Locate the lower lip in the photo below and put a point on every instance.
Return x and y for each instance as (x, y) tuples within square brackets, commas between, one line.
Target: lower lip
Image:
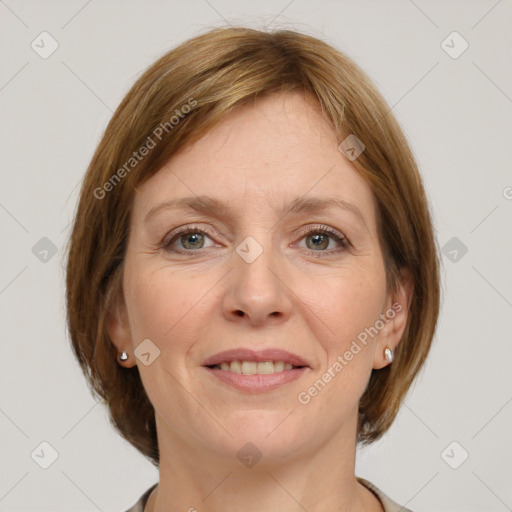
[(257, 383)]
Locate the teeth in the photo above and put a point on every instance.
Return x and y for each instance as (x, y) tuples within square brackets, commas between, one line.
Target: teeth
[(278, 366), (255, 368), (236, 367), (265, 367), (249, 367)]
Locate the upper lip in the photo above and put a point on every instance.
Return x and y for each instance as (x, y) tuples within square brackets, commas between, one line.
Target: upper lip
[(246, 354)]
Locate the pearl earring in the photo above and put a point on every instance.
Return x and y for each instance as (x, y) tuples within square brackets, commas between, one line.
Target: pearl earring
[(388, 354), (123, 356)]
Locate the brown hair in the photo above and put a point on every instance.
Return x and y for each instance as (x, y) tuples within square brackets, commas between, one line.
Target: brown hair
[(214, 74)]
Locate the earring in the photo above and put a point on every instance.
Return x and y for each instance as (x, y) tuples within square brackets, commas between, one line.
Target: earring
[(388, 354), (123, 356)]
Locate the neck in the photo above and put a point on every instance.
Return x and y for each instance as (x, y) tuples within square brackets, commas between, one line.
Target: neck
[(316, 479)]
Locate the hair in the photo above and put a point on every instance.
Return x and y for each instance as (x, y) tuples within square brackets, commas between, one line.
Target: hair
[(179, 98)]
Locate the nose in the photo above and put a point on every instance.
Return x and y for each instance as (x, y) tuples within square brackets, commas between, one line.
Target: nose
[(257, 291)]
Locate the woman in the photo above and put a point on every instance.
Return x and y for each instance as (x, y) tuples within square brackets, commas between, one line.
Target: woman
[(252, 279)]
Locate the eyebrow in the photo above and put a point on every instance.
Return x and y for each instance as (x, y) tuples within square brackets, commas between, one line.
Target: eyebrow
[(212, 206)]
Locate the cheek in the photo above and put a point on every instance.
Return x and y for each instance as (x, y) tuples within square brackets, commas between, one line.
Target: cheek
[(344, 308), (161, 304), (165, 309)]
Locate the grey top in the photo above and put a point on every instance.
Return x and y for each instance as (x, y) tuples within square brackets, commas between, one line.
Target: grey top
[(387, 503)]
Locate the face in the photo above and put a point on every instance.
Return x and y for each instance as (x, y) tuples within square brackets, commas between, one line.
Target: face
[(290, 262)]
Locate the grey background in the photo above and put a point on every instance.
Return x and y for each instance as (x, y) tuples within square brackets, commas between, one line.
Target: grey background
[(456, 113)]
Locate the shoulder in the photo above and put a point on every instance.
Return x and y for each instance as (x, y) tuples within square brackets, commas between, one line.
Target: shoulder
[(387, 503), (141, 503)]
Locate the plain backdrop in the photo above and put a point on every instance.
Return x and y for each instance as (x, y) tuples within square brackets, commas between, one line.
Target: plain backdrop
[(450, 447)]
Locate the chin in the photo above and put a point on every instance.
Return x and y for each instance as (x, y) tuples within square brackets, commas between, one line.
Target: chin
[(270, 432)]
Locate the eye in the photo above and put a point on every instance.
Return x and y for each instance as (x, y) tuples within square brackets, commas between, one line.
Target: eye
[(188, 238), (318, 238), (191, 239)]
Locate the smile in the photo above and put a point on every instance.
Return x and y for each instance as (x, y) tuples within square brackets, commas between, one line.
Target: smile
[(256, 371), (254, 367)]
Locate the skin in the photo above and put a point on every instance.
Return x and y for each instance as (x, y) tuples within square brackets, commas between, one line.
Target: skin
[(295, 296)]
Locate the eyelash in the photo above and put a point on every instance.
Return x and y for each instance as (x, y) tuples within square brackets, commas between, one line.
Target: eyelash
[(324, 230)]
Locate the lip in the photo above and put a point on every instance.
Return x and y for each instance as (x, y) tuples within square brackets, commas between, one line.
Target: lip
[(257, 383), (246, 354)]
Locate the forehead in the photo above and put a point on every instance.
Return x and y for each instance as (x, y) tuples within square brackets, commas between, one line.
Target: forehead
[(264, 154)]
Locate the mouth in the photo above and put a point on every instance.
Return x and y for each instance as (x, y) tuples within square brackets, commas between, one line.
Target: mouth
[(254, 367), (252, 371), (250, 362)]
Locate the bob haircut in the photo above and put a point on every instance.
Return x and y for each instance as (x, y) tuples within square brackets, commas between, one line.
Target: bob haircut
[(177, 100)]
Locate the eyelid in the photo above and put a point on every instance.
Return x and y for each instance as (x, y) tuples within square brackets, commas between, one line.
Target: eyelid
[(322, 227), (332, 232), (167, 240), (185, 229)]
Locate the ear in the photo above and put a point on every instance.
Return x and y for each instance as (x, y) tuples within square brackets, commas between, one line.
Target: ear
[(119, 331), (394, 314)]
